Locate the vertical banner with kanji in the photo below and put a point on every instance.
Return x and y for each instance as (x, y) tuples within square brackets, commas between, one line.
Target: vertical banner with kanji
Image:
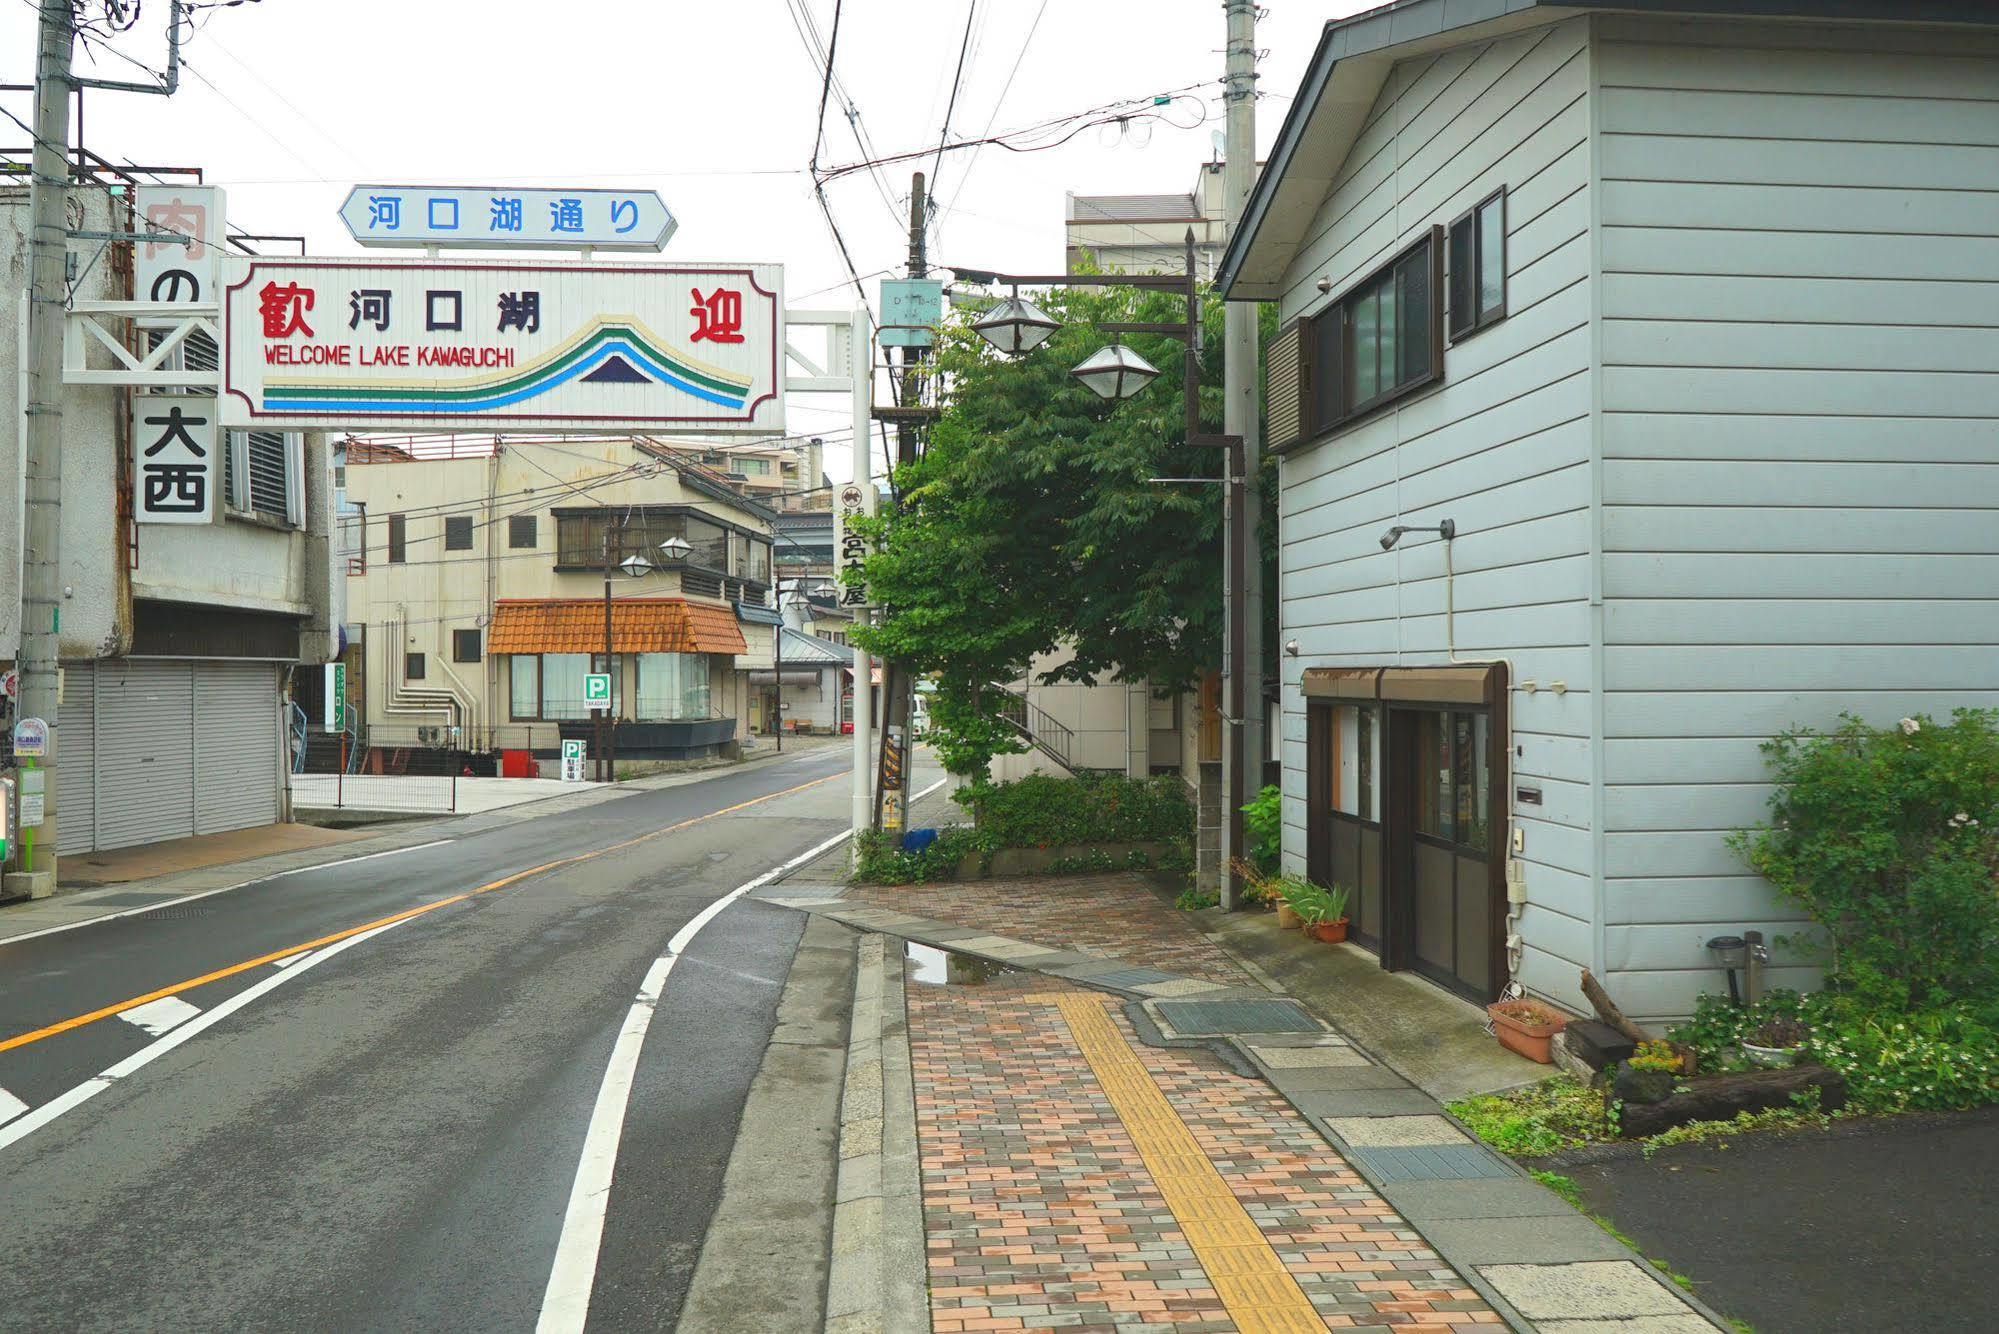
[(850, 547), (174, 449)]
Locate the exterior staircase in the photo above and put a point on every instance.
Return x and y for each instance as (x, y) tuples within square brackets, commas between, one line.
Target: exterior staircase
[(1036, 726)]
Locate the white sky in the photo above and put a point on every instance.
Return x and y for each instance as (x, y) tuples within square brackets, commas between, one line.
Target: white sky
[(291, 102)]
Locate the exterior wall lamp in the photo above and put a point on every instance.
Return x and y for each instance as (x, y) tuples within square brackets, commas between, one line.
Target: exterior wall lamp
[(1446, 530)]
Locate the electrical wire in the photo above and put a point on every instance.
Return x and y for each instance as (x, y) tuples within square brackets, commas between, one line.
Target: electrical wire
[(951, 107), (1005, 88)]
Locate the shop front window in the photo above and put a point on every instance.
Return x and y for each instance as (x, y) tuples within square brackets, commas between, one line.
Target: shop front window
[(1356, 759), (672, 686), (1453, 777)]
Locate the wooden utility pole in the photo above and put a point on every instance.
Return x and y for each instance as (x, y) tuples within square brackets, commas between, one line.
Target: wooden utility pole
[(898, 683)]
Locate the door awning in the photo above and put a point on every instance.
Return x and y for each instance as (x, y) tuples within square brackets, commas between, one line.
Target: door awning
[(638, 625), (1457, 683)]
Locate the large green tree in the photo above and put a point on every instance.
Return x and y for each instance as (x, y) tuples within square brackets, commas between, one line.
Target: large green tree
[(1029, 523)]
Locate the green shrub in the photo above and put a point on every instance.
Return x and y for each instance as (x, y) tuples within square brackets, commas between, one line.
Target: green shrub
[(1043, 810), (1941, 1058), (1889, 839), (879, 858), (1263, 827), (1556, 1113)]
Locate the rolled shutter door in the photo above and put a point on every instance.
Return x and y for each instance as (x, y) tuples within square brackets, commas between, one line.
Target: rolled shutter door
[(145, 732), (235, 746), (76, 760)]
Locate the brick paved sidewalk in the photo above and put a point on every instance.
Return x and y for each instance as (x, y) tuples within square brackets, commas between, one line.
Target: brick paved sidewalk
[(1116, 915), (1053, 1197)]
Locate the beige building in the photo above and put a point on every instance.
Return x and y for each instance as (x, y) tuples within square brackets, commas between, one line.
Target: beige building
[(1146, 233), (785, 476), (476, 600)]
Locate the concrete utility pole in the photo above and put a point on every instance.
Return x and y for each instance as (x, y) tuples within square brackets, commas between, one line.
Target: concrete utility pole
[(41, 548), (1241, 379)]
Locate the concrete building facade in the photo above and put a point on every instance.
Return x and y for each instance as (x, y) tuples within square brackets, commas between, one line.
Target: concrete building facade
[(476, 595), (178, 641)]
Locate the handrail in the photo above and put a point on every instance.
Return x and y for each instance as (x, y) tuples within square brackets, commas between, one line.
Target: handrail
[(1033, 722)]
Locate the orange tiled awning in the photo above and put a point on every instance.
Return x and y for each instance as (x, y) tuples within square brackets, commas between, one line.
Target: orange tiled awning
[(638, 625)]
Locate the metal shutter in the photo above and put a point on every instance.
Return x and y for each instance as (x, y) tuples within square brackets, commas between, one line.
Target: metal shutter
[(145, 780), (268, 473), (76, 760), (236, 779)]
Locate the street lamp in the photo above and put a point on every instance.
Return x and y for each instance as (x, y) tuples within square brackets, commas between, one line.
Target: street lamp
[(1115, 372), (676, 549), (1016, 325), (635, 565)]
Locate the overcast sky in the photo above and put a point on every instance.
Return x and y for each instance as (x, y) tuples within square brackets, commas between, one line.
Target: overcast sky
[(288, 103)]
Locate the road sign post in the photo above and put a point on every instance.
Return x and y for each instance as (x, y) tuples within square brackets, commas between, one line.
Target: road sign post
[(336, 697)]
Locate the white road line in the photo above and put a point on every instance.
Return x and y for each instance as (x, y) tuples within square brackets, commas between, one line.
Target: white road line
[(210, 893), (565, 1305), (291, 959), (10, 1107), (25, 1126), (157, 1017)]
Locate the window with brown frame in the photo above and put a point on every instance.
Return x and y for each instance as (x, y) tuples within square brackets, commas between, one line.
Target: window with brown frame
[(1478, 266), (1382, 339)]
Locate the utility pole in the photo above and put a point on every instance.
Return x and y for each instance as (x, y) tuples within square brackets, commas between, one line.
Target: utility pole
[(41, 547), (898, 683), (1241, 379), (606, 724)]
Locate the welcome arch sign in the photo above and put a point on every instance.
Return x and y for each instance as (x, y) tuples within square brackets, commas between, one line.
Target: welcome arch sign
[(481, 345)]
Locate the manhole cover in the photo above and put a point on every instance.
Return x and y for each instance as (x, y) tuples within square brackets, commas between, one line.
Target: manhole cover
[(1238, 1016), (1129, 977)]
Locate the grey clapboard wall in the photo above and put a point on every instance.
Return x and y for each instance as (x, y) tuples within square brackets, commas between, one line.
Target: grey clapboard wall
[(1502, 445), (1800, 432)]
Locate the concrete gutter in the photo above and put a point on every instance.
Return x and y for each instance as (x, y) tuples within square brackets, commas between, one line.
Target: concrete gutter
[(763, 1262), (878, 1275)]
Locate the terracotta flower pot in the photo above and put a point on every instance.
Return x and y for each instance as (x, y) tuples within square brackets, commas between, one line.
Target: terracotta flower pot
[(1288, 918), (1529, 1031), (1330, 932)]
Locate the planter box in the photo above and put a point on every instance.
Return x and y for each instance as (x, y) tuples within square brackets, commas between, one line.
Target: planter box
[(1007, 863), (1721, 1097), (1526, 1037)]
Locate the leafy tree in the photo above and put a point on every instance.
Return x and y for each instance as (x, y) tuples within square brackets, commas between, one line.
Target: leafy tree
[(1029, 524)]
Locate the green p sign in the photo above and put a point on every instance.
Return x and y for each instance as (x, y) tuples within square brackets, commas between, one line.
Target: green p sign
[(597, 691)]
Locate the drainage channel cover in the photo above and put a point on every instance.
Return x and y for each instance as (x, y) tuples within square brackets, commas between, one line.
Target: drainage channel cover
[(1238, 1016), (132, 899)]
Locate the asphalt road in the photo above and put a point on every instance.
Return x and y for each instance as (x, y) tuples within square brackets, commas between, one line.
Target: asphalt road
[(1875, 1226), (385, 1134)]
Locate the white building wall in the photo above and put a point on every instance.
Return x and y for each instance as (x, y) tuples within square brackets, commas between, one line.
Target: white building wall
[(1800, 385), (1501, 446)]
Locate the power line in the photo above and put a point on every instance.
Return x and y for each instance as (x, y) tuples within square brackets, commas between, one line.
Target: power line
[(951, 106)]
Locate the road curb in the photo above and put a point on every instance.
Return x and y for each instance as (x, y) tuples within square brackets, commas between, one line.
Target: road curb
[(877, 1277)]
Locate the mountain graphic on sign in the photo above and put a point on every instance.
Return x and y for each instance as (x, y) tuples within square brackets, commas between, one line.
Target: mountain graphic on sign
[(616, 370)]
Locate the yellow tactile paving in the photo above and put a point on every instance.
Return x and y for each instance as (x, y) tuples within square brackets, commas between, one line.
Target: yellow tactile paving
[(1252, 1282)]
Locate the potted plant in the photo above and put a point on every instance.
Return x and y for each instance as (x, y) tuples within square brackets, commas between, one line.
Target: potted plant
[(1325, 913), (1292, 894), (1526, 1027), (1775, 1043)]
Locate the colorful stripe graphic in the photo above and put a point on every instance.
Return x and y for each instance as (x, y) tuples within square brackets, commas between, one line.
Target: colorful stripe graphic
[(601, 342)]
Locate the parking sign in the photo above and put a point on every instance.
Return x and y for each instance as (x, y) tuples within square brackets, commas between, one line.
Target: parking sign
[(597, 691), (572, 761)]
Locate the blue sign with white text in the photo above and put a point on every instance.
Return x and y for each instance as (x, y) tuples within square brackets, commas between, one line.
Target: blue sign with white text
[(505, 217)]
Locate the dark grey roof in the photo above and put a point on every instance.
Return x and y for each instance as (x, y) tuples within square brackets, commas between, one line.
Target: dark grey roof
[(1355, 53), (803, 650)]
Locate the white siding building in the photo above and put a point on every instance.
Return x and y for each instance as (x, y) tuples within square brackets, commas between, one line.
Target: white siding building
[(1688, 323)]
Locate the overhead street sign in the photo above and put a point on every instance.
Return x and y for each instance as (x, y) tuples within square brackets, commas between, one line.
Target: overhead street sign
[(410, 343), (505, 217)]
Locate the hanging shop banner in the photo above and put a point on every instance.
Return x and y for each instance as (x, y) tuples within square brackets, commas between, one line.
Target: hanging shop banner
[(174, 458), (442, 345), (850, 548), (505, 217)]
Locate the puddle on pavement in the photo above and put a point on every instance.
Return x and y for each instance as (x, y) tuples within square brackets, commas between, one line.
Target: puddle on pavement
[(947, 968)]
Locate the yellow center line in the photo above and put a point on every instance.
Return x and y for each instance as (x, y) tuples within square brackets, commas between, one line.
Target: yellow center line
[(1259, 1292), (105, 1012)]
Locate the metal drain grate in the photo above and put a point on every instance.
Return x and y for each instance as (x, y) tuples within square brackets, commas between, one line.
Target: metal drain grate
[(1238, 1016)]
